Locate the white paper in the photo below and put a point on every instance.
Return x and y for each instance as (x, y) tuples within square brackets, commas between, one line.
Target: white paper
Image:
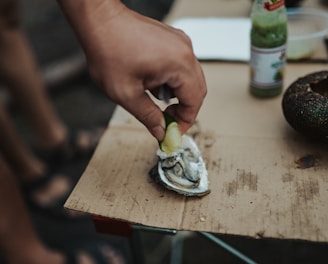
[(218, 38)]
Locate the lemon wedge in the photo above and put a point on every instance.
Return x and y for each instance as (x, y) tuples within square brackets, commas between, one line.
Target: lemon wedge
[(172, 139)]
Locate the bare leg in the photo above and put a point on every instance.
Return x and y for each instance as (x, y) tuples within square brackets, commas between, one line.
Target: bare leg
[(19, 243), (18, 240), (17, 153), (26, 166), (20, 73)]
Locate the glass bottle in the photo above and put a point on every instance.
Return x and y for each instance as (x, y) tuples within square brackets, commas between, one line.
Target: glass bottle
[(268, 47)]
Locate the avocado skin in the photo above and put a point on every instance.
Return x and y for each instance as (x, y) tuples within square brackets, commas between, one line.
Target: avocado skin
[(305, 105)]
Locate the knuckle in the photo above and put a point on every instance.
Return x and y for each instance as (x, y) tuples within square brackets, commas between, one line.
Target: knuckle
[(148, 115), (204, 91), (184, 36)]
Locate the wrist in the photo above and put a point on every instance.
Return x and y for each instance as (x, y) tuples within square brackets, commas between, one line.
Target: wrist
[(88, 7), (86, 15)]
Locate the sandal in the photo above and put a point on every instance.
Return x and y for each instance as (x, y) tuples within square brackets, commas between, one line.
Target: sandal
[(101, 252), (71, 257), (79, 143), (54, 208)]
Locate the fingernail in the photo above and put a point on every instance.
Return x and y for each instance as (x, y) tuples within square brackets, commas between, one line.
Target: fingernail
[(158, 132)]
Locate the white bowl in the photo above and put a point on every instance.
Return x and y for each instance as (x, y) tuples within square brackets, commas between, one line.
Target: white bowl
[(307, 29)]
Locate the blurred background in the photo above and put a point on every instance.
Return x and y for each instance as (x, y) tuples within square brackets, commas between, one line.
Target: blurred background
[(82, 105)]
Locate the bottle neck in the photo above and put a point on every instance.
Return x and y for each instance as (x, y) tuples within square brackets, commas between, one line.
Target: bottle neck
[(269, 5), (268, 16)]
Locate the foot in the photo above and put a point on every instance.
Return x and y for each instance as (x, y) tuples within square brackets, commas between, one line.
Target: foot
[(48, 192), (95, 251), (99, 254), (90, 252), (77, 143)]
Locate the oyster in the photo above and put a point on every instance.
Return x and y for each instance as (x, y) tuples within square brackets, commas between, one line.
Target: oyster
[(183, 171)]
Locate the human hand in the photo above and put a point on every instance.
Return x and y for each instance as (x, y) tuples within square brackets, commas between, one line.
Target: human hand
[(129, 54)]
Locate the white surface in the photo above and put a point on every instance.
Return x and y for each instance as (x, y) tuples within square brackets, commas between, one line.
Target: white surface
[(218, 38)]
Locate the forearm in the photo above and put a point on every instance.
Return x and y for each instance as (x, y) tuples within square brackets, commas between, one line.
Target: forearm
[(86, 15), (77, 10)]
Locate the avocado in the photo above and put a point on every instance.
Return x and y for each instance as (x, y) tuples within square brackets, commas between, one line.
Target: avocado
[(305, 105)]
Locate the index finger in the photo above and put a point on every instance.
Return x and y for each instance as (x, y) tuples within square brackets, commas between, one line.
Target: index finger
[(190, 93)]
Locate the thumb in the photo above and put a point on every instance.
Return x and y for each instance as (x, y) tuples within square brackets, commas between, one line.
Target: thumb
[(149, 114)]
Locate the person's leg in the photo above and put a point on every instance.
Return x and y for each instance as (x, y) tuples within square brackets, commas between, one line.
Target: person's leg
[(26, 166), (19, 71), (18, 241)]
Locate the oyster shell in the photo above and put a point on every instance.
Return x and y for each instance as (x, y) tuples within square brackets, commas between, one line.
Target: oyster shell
[(183, 171)]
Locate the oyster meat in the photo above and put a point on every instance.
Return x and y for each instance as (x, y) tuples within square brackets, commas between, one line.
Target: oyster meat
[(183, 171)]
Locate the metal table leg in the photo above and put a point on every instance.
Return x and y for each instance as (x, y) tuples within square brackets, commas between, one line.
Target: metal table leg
[(227, 247)]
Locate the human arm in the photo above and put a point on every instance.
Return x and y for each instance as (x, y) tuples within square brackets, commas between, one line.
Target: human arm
[(129, 54)]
